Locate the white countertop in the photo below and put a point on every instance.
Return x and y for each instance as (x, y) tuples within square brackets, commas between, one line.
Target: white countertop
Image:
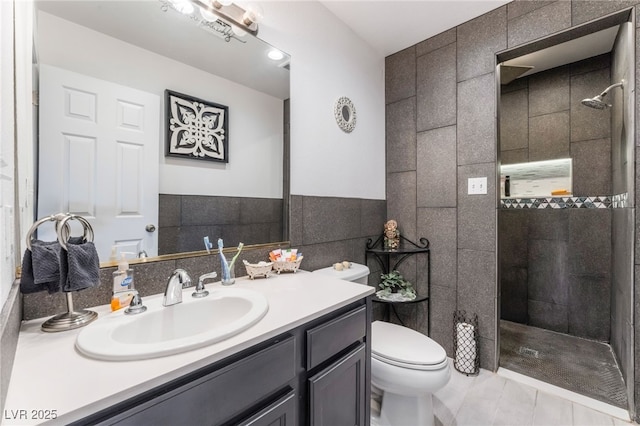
[(50, 374)]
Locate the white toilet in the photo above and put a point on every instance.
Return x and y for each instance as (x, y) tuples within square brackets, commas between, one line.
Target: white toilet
[(407, 366)]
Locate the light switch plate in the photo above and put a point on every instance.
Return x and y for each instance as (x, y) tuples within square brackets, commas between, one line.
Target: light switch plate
[(477, 186)]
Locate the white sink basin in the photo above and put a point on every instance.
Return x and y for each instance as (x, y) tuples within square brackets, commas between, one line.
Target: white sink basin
[(169, 330)]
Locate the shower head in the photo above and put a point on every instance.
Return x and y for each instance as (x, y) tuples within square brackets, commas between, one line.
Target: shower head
[(597, 102)]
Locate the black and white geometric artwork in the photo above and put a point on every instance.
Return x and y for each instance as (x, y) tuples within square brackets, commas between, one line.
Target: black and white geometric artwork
[(196, 128)]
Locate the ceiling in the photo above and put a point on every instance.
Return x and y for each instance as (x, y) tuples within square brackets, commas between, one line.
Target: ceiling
[(390, 26)]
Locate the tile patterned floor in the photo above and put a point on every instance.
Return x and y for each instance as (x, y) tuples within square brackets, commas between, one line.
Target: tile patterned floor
[(490, 399)]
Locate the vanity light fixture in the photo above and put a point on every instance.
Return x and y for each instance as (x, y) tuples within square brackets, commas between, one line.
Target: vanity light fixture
[(223, 17)]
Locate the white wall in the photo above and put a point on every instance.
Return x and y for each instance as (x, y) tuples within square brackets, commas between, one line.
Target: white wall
[(7, 261), (328, 61), (255, 124)]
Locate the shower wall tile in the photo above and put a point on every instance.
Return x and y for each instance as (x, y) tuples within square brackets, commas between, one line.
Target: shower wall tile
[(514, 120), (439, 226), (586, 10), (436, 42), (590, 241), (401, 135), (549, 91), (478, 41), (476, 120), (521, 7), (539, 23), (589, 306), (400, 75), (548, 272), (589, 156), (476, 288), (401, 202), (514, 156), (549, 316), (436, 88), (513, 294), (517, 84), (549, 224), (436, 168), (591, 64), (549, 136), (588, 123), (513, 233), (476, 213)]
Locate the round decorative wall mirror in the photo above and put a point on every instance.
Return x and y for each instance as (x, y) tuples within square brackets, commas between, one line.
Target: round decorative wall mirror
[(345, 113)]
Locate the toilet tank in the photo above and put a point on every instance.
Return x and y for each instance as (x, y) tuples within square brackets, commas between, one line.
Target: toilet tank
[(357, 273)]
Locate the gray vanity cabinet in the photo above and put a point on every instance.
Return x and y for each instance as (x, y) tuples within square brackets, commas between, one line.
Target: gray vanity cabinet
[(337, 393), (317, 374)]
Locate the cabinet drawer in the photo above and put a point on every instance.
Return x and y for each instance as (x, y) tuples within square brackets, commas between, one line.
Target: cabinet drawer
[(219, 396), (330, 338), (280, 413)]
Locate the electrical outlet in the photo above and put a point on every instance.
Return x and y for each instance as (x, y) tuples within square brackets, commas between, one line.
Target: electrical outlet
[(477, 186)]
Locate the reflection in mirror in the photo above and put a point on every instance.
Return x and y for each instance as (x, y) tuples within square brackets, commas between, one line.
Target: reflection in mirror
[(346, 113), (103, 69)]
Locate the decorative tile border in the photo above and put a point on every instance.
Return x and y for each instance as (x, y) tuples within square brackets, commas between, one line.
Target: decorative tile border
[(597, 202)]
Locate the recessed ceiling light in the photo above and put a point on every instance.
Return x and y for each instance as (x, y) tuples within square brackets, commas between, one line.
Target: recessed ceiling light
[(275, 54)]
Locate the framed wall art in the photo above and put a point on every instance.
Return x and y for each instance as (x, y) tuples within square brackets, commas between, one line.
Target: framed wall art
[(196, 128)]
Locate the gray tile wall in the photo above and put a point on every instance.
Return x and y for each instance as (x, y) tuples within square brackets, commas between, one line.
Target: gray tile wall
[(185, 219), (332, 229), (558, 272), (418, 195)]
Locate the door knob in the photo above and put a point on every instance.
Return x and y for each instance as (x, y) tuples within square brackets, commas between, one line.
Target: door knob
[(150, 228)]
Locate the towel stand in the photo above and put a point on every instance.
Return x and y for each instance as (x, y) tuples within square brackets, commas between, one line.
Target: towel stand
[(72, 318)]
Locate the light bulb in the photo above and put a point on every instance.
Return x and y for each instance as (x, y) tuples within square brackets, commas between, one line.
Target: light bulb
[(183, 6), (238, 31), (208, 15), (253, 15)]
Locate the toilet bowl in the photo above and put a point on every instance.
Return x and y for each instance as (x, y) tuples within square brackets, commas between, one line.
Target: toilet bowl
[(406, 366)]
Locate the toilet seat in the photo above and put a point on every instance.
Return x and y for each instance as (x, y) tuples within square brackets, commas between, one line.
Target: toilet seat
[(403, 347)]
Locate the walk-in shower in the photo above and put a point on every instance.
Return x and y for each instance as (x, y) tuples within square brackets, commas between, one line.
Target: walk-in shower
[(566, 240), (597, 102)]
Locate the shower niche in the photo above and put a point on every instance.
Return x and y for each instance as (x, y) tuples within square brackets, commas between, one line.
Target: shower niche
[(565, 230)]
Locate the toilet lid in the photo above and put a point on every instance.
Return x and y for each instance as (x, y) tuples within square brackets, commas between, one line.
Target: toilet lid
[(403, 345)]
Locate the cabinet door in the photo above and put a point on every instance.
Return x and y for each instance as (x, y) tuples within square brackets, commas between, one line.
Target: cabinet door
[(337, 393), (280, 413)]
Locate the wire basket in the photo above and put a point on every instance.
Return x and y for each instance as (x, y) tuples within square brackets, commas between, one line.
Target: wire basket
[(465, 343)]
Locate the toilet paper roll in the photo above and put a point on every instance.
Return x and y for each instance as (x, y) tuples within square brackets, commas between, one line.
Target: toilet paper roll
[(465, 348)]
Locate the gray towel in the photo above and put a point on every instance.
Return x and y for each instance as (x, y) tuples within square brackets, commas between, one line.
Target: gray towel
[(41, 267), (79, 266)]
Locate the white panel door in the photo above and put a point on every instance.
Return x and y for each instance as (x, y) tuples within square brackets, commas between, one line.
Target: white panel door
[(98, 157)]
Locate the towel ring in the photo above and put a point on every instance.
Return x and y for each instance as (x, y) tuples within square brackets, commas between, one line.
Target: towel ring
[(64, 232), (53, 218)]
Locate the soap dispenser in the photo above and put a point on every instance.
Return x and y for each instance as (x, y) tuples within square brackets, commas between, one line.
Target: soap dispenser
[(123, 289)]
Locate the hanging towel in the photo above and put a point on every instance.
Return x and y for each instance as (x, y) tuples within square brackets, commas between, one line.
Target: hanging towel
[(41, 267), (79, 266)]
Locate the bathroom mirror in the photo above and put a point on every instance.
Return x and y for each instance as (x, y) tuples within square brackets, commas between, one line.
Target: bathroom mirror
[(150, 47)]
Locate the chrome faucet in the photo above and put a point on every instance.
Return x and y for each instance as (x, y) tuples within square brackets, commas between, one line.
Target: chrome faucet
[(200, 291), (178, 280)]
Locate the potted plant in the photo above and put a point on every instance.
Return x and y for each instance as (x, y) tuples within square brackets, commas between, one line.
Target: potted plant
[(395, 287)]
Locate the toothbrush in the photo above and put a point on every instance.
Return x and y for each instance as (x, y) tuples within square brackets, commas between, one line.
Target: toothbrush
[(207, 245), (233, 260), (225, 266)]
